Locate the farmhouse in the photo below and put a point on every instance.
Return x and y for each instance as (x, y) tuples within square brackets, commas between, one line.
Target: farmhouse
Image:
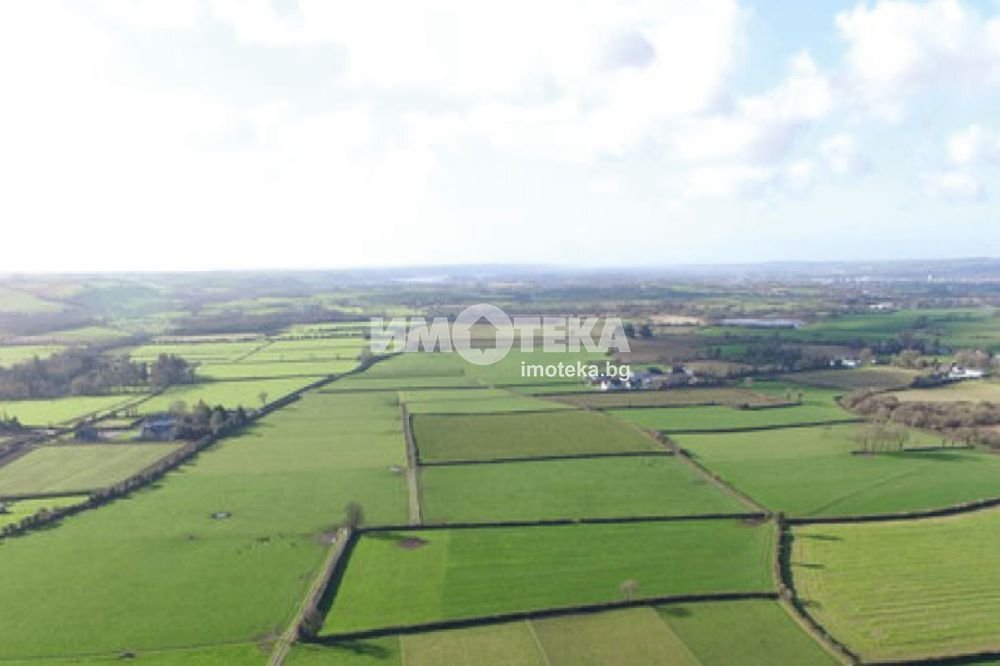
[(158, 428), (958, 372)]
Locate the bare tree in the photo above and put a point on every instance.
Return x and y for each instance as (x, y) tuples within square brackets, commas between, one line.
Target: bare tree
[(629, 588), (262, 396)]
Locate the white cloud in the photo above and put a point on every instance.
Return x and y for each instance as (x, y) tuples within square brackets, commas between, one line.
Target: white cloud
[(899, 49), (760, 128), (954, 185), (974, 145), (843, 155)]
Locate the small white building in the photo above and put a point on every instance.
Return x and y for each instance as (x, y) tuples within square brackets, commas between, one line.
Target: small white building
[(959, 372)]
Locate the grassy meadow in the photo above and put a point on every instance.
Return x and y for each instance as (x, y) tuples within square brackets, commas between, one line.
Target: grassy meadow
[(585, 488), (473, 572), (501, 436), (905, 589), (284, 483), (680, 419), (812, 472), (77, 467)]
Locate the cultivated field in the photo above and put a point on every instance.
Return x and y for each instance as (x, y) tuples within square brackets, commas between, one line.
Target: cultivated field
[(392, 579), (905, 589), (811, 471), (20, 353), (584, 488), (229, 394), (503, 436), (77, 467)]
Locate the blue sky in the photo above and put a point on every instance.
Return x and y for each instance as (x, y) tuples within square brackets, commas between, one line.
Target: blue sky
[(198, 134)]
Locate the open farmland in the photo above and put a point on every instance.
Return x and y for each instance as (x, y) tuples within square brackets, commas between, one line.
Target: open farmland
[(681, 419), (904, 589), (283, 483), (862, 378), (442, 438), (733, 397), (231, 394), (811, 471), (758, 632), (21, 353), (20, 509), (585, 488), (273, 369), (968, 391), (59, 411), (77, 467), (473, 572), (473, 401)]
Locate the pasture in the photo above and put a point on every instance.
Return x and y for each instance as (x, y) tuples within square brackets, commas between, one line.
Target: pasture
[(11, 355), (811, 471), (284, 482), (77, 467), (757, 633), (473, 401), (750, 633), (391, 580), (20, 509), (681, 419), (273, 369), (58, 411), (231, 394), (503, 436), (977, 390), (733, 397), (584, 488), (878, 377), (904, 589)]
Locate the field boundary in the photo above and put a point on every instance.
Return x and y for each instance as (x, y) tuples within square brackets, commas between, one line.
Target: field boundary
[(789, 599), (952, 510), (560, 611), (548, 458), (412, 467), (558, 522), (961, 658), (788, 426), (722, 484), (52, 495), (312, 601)]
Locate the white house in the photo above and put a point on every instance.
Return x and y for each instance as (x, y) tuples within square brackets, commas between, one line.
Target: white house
[(959, 372)]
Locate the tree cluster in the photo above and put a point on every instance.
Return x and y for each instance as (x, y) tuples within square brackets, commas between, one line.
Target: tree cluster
[(202, 420), (88, 372)]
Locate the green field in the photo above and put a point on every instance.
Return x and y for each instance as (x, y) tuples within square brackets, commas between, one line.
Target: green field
[(20, 353), (757, 633), (811, 472), (77, 467), (200, 352), (20, 509), (503, 436), (749, 633), (473, 401), (848, 380), (230, 394), (905, 589), (59, 411), (16, 300), (679, 419), (284, 482), (585, 488), (979, 390), (735, 397), (473, 572), (273, 369)]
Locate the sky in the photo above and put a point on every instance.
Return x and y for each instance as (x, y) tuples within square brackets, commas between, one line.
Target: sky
[(229, 134)]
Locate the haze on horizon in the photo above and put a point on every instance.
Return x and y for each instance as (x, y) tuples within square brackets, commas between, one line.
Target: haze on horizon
[(221, 134)]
